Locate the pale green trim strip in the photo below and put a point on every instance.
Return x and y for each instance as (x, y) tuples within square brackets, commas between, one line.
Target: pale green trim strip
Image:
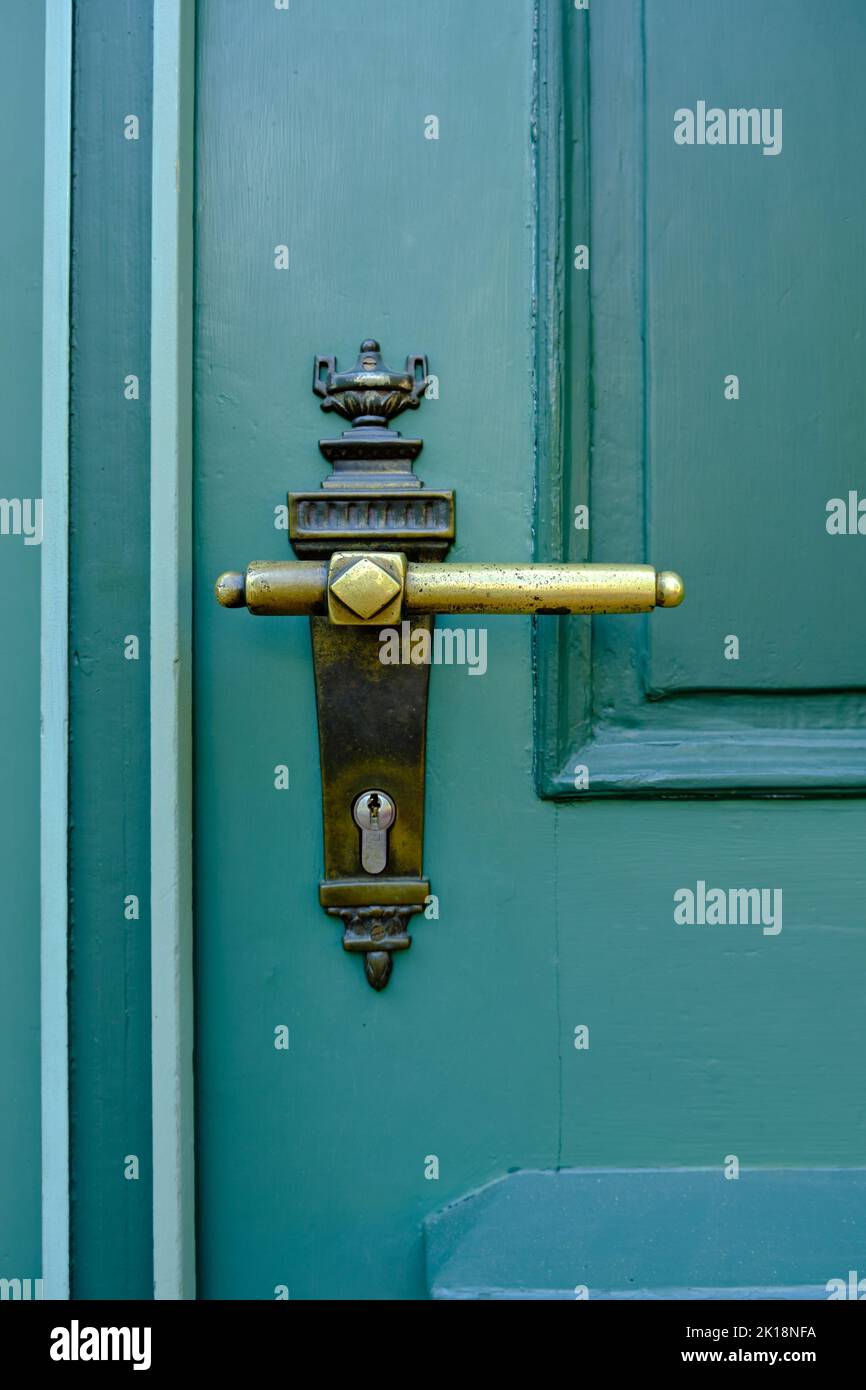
[(171, 649), (54, 687)]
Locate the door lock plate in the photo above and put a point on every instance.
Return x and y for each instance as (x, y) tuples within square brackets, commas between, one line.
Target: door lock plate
[(370, 517), (370, 545)]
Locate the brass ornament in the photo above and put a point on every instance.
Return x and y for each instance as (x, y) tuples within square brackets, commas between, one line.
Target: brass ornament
[(370, 545), (363, 588), (370, 394), (290, 589)]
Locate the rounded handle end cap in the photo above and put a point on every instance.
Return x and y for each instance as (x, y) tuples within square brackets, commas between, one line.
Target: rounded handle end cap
[(670, 589), (231, 590)]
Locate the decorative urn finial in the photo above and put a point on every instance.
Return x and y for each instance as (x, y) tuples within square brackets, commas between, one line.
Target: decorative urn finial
[(370, 395)]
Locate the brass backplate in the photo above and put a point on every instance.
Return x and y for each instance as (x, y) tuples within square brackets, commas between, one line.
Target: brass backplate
[(372, 717)]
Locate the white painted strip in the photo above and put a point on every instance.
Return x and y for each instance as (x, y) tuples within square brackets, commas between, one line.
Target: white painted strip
[(171, 649), (54, 684)]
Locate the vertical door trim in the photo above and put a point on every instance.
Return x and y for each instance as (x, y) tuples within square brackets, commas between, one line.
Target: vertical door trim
[(171, 649), (54, 653)]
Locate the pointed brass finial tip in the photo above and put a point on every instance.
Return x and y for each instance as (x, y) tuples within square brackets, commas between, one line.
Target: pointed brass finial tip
[(231, 590), (670, 589), (377, 967)]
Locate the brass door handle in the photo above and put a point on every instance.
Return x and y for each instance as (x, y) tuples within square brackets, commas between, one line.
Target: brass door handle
[(376, 587), (371, 543)]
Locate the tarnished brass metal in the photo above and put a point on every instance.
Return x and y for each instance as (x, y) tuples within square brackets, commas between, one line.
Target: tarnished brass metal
[(371, 543), (414, 519), (370, 517), (301, 588), (378, 588), (370, 394), (366, 588), (372, 733), (366, 892), (554, 589), (231, 590)]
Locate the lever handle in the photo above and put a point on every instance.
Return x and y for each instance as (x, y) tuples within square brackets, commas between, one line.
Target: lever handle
[(369, 588), (372, 720)]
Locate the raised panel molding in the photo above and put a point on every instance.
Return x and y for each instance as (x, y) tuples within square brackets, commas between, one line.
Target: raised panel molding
[(666, 1233), (595, 706)]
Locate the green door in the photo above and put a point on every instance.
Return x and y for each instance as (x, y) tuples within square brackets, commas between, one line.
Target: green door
[(630, 1028)]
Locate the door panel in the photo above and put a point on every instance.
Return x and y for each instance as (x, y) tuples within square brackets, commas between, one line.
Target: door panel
[(311, 134), (707, 263), (754, 267), (315, 1169)]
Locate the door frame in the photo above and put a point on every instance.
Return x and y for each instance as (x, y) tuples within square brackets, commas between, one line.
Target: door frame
[(54, 653), (171, 406), (172, 1097)]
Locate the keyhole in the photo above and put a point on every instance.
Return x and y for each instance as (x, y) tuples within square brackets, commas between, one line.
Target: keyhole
[(374, 814)]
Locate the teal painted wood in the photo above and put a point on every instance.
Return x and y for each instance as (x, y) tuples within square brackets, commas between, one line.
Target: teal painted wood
[(711, 1040), (171, 650), (54, 694), (704, 1041), (311, 1161), (686, 1233), (696, 261), (109, 707), (21, 135), (563, 336)]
